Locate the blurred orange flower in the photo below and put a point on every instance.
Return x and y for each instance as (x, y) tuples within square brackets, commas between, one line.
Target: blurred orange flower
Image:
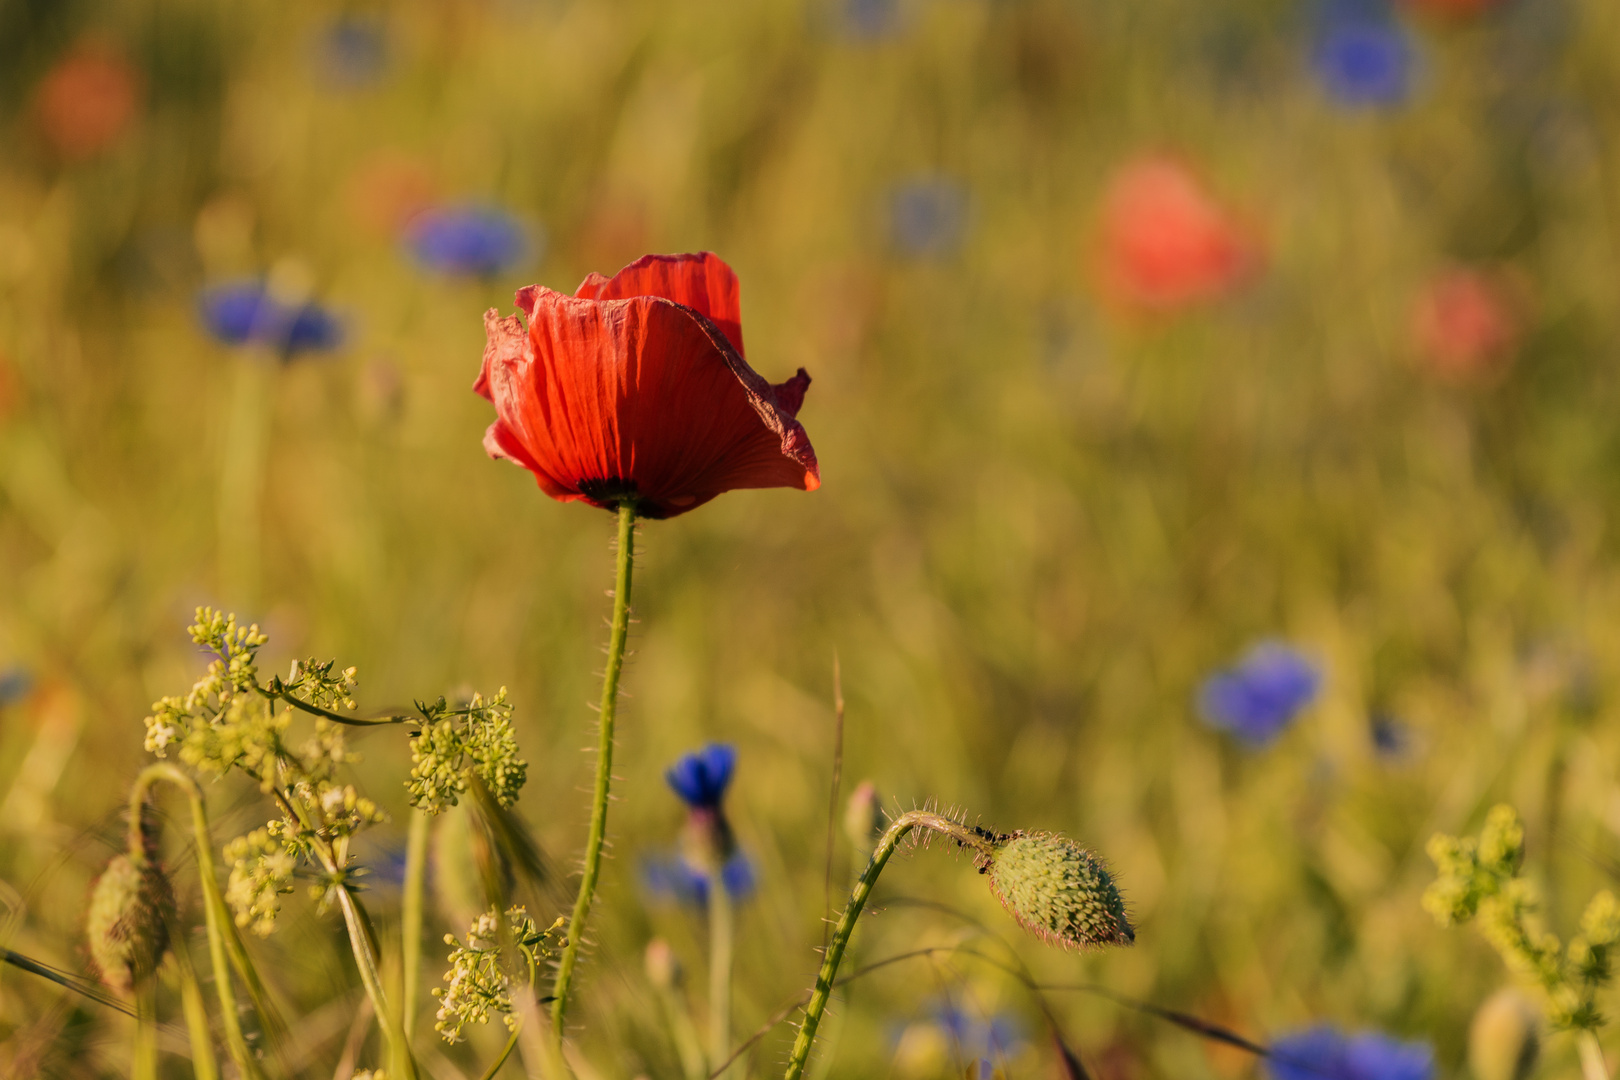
[(1465, 324), (387, 190), (1165, 243), (87, 100)]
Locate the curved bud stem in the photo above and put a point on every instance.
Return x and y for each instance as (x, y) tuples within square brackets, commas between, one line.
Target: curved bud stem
[(604, 771), (216, 917), (886, 844)]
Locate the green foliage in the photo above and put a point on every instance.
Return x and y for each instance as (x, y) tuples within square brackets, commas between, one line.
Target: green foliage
[(1480, 878)]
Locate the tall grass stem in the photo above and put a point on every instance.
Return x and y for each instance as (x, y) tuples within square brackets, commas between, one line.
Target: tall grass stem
[(604, 770), (192, 1007), (411, 919), (722, 926)]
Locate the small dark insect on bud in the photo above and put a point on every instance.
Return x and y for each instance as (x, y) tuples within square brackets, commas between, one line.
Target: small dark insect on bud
[(127, 928), (1058, 890)]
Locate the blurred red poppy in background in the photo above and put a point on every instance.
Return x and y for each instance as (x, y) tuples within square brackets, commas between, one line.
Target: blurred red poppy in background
[(635, 390), (87, 100), (1465, 324), (1165, 243)]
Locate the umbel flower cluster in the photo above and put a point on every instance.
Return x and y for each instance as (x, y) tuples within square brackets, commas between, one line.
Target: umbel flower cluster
[(1480, 879), (478, 985)]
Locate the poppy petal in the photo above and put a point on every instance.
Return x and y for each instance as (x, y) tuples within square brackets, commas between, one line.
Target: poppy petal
[(637, 396), (701, 281)]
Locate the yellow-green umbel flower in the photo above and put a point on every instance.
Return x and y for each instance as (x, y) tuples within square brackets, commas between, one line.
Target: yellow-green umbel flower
[(127, 927), (1058, 890)]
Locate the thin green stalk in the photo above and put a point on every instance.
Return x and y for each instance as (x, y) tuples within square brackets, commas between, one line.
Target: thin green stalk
[(203, 1065), (720, 948), (362, 939), (604, 770), (846, 922), (411, 918), (216, 918), (143, 1054), (1593, 1067), (683, 1032), (512, 1041), (241, 478)]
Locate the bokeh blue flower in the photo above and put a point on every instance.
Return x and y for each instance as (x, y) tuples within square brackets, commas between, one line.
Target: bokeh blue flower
[(670, 877), (1261, 695), (868, 20), (1323, 1053), (244, 313), (1391, 738), (16, 682), (928, 215), (1361, 54), (351, 51), (467, 241), (700, 778)]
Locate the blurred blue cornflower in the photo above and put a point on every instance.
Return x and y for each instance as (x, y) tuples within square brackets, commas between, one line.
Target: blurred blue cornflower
[(1391, 738), (467, 241), (1361, 54), (868, 20), (244, 312), (1261, 695), (700, 778), (15, 683), (351, 51), (1322, 1053), (994, 1036), (671, 878), (928, 215)]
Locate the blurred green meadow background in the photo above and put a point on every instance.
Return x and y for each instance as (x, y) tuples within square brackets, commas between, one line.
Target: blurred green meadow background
[(1073, 461)]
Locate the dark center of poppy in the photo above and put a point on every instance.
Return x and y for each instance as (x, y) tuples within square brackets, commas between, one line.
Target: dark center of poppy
[(611, 492)]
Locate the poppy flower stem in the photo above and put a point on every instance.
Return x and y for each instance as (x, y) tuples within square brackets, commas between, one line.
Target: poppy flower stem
[(886, 844), (411, 919), (604, 769)]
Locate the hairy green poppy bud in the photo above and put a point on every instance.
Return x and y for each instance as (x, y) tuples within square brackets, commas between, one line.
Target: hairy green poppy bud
[(127, 927), (1058, 890), (1504, 1038)]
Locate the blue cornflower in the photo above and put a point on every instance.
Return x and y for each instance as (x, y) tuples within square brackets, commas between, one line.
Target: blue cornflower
[(671, 877), (1391, 738), (994, 1036), (469, 241), (1322, 1053), (15, 683), (352, 51), (701, 778), (1361, 54), (869, 20), (1259, 697), (928, 215), (244, 312)]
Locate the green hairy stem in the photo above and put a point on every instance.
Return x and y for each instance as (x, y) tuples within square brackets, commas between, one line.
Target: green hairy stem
[(886, 844), (604, 770)]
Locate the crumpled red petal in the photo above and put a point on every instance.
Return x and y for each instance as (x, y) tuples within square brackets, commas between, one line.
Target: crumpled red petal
[(596, 393), (701, 281)]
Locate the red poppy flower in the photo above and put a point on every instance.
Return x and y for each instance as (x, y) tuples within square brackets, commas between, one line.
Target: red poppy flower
[(1465, 324), (1165, 242), (87, 101), (635, 389)]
